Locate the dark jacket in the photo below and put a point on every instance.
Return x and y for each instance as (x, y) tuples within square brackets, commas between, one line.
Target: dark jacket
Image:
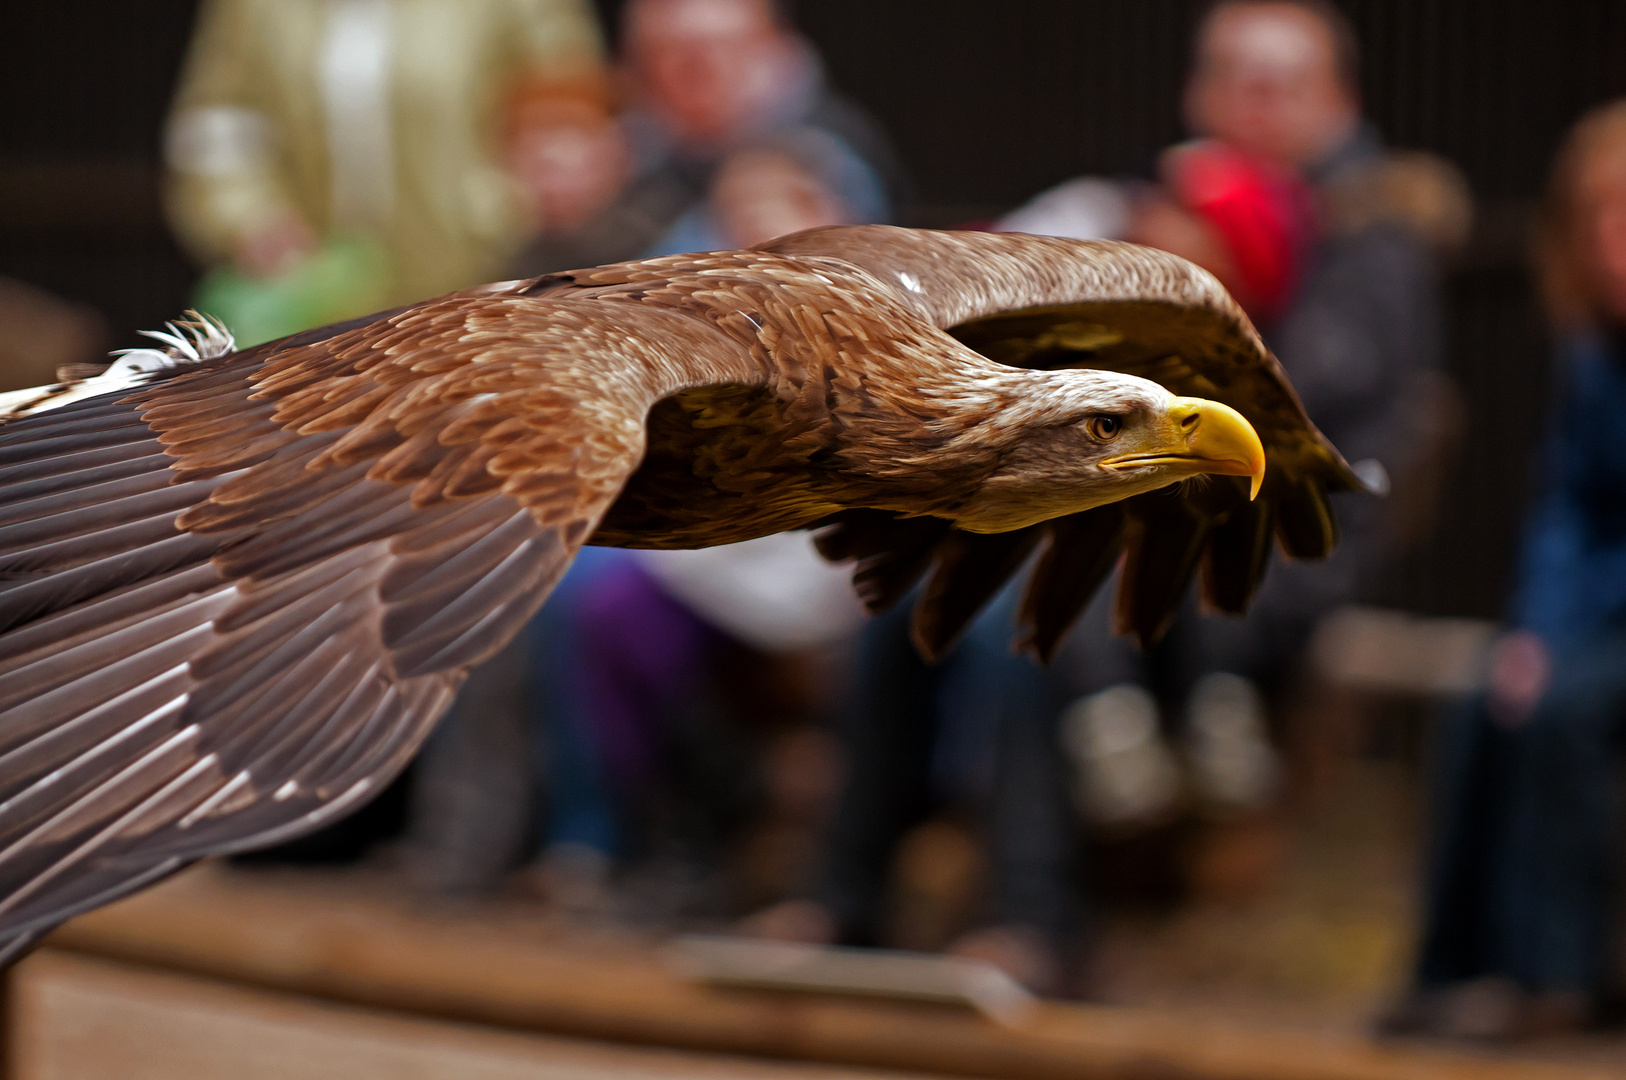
[(1572, 579)]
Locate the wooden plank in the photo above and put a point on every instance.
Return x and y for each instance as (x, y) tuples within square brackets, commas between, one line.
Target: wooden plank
[(306, 935), (78, 1018), (725, 960)]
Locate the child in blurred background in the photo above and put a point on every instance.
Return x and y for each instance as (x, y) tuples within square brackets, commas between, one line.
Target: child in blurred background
[(800, 179)]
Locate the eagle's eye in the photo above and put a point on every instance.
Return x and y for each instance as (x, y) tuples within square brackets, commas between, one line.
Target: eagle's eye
[(1106, 428)]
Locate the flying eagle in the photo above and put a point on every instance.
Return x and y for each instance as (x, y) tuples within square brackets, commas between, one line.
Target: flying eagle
[(238, 588)]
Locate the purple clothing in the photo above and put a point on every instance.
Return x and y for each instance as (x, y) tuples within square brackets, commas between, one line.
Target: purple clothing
[(641, 656)]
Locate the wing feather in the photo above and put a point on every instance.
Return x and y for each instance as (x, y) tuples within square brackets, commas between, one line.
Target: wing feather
[(55, 472), (969, 569), (1237, 555), (1162, 545), (234, 599), (1305, 526), (890, 553), (33, 449), (1081, 552)]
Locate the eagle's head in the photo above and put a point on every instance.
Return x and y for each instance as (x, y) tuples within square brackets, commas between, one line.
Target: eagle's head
[(1095, 437)]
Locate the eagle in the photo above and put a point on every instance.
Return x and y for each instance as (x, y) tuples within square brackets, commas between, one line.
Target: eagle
[(237, 588)]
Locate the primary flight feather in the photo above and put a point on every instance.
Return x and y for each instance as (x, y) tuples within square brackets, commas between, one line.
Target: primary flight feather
[(238, 588)]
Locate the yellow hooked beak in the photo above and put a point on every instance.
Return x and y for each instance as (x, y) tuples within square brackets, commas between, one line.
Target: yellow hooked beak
[(1199, 436)]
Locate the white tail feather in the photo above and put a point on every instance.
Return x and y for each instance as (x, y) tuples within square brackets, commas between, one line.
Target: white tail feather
[(189, 340)]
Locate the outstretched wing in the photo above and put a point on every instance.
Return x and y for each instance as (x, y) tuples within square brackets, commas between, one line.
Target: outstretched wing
[(1035, 301), (234, 600)]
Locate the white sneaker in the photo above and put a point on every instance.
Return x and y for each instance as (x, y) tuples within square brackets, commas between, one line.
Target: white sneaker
[(1124, 773), (1232, 762)]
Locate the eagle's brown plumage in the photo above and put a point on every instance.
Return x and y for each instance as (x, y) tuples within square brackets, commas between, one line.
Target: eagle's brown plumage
[(235, 595)]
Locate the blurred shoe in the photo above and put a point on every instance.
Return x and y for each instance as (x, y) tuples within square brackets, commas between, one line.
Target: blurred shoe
[(1558, 1012), (800, 921), (1491, 1009), (1019, 951), (1478, 1009), (1233, 765), (1123, 771), (573, 878)]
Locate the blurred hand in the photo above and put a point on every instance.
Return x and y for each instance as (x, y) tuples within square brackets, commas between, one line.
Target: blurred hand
[(1159, 221), (275, 247), (1520, 670)]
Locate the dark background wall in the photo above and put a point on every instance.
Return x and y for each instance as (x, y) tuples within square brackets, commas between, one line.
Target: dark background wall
[(988, 103)]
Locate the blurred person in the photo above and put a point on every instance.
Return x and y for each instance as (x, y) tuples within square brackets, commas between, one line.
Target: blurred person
[(1524, 868), (973, 737), (761, 194), (801, 179), (650, 745), (710, 71), (569, 154), (331, 157), (705, 82), (1275, 80), (731, 139), (1332, 244), (1248, 221), (575, 160), (327, 158), (710, 75), (723, 153), (636, 713), (1286, 196), (681, 679)]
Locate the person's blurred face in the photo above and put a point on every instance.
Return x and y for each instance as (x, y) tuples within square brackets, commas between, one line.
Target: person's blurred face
[(1267, 82), (572, 161), (709, 67), (759, 195), (1601, 219)]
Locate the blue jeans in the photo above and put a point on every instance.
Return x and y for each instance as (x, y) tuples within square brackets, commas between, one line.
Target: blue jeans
[(577, 807), (1523, 869), (979, 728)]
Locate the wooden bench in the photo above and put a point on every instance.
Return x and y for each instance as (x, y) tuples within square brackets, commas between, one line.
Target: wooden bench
[(224, 973), (80, 1018)]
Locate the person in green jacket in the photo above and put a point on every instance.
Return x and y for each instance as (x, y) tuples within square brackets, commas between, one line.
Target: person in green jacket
[(331, 157)]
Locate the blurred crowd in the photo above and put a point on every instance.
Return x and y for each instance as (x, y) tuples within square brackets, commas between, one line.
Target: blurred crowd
[(723, 736), (331, 157)]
